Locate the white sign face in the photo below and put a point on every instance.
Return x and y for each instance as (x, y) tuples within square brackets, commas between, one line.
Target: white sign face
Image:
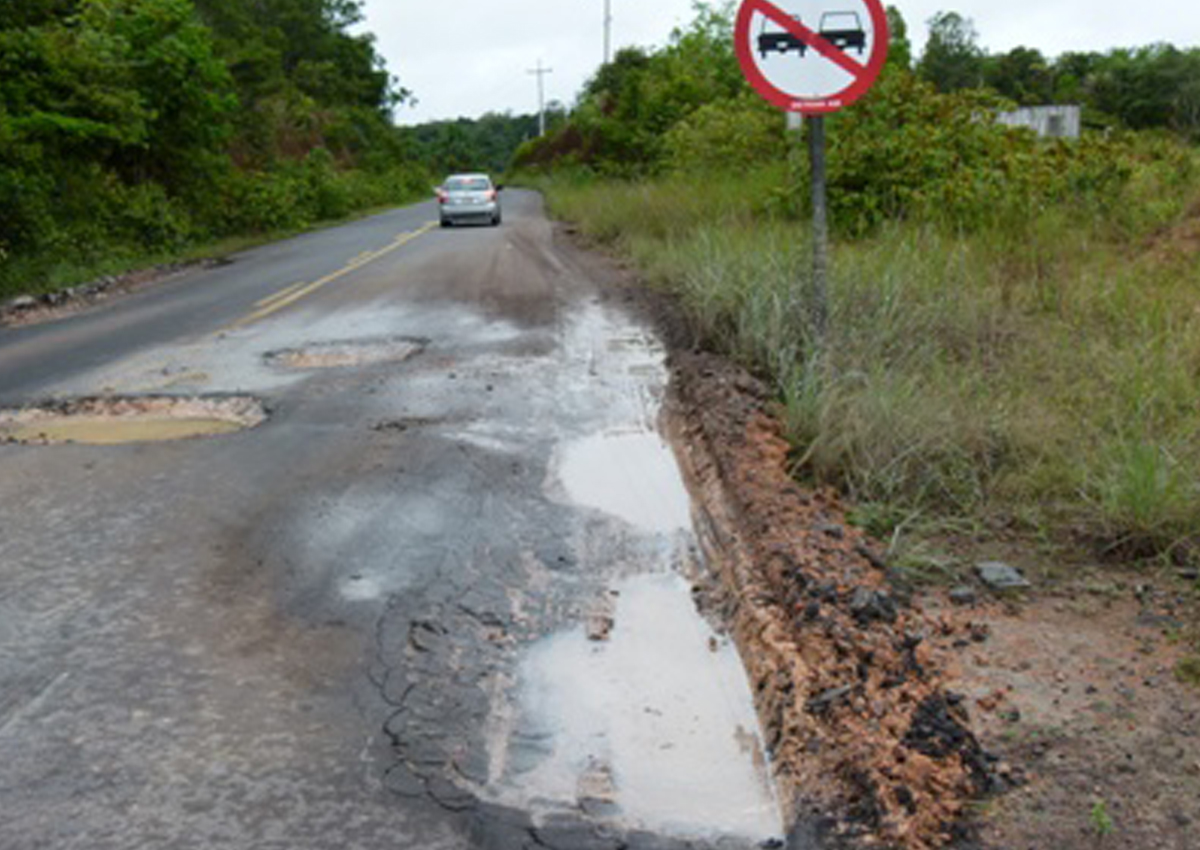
[(812, 56)]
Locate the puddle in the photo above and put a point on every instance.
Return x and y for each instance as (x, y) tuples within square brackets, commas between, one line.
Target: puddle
[(654, 726), (339, 355), (115, 421), (632, 476)]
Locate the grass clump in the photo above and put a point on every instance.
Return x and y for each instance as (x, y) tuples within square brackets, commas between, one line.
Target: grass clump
[(1187, 671), (1040, 370)]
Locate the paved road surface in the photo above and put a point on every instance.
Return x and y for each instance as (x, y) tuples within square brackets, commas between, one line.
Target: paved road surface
[(364, 624)]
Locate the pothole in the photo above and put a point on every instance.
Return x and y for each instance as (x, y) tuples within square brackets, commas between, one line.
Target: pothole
[(140, 419), (340, 355)]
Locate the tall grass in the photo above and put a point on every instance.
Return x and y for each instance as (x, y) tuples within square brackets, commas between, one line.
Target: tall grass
[(1046, 373)]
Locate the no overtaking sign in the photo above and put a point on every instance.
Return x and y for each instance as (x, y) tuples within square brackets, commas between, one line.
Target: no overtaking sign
[(812, 56)]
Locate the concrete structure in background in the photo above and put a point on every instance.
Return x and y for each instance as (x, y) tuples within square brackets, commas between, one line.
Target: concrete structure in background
[(1049, 122)]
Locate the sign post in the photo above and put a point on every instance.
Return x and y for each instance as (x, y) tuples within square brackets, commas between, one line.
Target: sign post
[(813, 57), (820, 205)]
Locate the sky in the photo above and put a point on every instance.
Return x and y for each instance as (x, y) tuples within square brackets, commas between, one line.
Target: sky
[(467, 57)]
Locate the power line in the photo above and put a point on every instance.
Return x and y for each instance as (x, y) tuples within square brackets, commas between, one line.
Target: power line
[(541, 75)]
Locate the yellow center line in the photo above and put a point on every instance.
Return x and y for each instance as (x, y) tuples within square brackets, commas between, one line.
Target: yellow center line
[(283, 293), (289, 296)]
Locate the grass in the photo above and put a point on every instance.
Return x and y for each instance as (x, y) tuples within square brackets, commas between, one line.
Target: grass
[(1102, 823), (1046, 376), (1187, 671)]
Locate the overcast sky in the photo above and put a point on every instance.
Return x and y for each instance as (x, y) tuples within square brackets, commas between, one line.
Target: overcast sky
[(467, 57)]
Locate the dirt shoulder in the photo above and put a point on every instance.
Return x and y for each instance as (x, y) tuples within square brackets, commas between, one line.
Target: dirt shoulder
[(1051, 720), (52, 306)]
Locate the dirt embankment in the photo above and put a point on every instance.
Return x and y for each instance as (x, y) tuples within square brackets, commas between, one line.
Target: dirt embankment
[(849, 675), (1051, 721)]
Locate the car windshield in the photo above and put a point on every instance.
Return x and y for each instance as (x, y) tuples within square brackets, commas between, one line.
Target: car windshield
[(467, 184)]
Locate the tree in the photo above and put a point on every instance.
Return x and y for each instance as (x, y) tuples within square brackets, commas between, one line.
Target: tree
[(123, 124), (303, 79), (1022, 75), (1073, 76), (952, 59), (899, 47)]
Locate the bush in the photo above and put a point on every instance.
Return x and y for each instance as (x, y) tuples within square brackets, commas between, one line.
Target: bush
[(908, 152), (739, 130)]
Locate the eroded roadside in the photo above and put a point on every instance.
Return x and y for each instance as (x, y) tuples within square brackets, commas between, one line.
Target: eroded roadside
[(1056, 718), (849, 675)]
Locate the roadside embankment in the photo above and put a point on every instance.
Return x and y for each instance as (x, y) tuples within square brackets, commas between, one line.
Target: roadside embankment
[(848, 674)]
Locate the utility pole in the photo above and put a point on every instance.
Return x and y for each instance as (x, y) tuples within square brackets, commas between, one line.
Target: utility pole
[(541, 75), (607, 31)]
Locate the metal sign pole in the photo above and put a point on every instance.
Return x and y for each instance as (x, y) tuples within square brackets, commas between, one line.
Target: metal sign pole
[(820, 284)]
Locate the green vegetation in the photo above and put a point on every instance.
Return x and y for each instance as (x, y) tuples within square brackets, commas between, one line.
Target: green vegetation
[(486, 143), (1102, 822), (1187, 671), (133, 129), (1014, 341), (1150, 87)]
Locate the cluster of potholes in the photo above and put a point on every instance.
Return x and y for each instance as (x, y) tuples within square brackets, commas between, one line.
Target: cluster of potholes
[(425, 768), (116, 420)]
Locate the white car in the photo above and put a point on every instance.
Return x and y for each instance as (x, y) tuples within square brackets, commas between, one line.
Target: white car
[(469, 197)]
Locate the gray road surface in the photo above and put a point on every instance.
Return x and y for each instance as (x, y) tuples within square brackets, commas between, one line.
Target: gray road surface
[(364, 624)]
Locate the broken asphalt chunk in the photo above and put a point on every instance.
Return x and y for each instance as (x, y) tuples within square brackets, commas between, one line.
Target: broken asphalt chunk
[(999, 576), (827, 699), (869, 606), (964, 596)]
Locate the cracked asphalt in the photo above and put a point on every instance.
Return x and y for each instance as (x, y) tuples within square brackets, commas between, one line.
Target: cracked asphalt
[(318, 633)]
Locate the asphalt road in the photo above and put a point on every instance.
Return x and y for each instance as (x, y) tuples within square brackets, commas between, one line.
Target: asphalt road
[(365, 623)]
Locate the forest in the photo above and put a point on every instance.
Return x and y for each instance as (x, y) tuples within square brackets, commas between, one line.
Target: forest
[(133, 129)]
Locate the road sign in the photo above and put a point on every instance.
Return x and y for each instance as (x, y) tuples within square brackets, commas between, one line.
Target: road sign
[(811, 56)]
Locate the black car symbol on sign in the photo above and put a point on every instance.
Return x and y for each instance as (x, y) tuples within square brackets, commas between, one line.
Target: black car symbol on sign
[(844, 30), (778, 39)]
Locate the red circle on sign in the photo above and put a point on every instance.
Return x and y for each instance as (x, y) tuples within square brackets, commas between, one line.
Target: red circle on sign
[(863, 80)]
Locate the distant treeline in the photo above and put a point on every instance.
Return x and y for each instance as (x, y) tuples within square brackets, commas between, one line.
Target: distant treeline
[(477, 144), (1149, 87), (130, 127), (687, 105)]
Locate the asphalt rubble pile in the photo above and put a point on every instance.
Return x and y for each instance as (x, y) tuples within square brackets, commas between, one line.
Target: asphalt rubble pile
[(848, 672)]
